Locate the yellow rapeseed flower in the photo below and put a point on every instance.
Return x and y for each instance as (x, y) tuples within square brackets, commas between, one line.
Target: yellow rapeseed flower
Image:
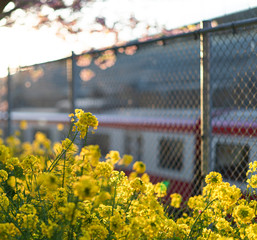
[(23, 125), (103, 169), (126, 160), (3, 175), (160, 189), (13, 142), (196, 203), (30, 163), (116, 223), (225, 238), (252, 167), (103, 196), (17, 133), (145, 178), (57, 147), (86, 188), (137, 185), (12, 162), (49, 180), (252, 181), (91, 154), (243, 214), (176, 200), (28, 209), (223, 225), (96, 231), (4, 201), (9, 231), (48, 230), (27, 148), (139, 167), (60, 127), (132, 175), (11, 181), (251, 231), (83, 120), (226, 194), (41, 144), (213, 178), (28, 221), (69, 146), (113, 157), (68, 210), (4, 153), (104, 211), (60, 196)]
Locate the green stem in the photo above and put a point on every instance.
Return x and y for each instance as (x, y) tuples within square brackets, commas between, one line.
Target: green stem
[(191, 230), (129, 202), (44, 207), (17, 191), (63, 177), (249, 190), (13, 221), (70, 233), (27, 183), (114, 196), (85, 143), (113, 206), (70, 130), (55, 162)]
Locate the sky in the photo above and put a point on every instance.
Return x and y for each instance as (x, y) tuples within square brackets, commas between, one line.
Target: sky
[(23, 46)]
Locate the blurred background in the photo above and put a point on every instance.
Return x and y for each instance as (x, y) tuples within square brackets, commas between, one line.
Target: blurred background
[(171, 82)]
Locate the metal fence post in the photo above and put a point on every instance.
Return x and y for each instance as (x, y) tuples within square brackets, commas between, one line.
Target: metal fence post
[(9, 120), (205, 100), (71, 81)]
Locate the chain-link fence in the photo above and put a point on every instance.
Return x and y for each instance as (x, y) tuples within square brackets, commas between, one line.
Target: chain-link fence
[(39, 86), (147, 99), (184, 105), (233, 80)]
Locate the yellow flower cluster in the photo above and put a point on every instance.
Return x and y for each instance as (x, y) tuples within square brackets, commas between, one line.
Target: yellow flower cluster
[(139, 167), (83, 120), (3, 175), (66, 194), (176, 200), (23, 125)]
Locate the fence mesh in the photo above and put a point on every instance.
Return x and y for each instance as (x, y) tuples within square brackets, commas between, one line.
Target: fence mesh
[(40, 87), (233, 79), (147, 99)]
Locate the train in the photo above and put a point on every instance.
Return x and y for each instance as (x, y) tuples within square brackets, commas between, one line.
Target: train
[(166, 140)]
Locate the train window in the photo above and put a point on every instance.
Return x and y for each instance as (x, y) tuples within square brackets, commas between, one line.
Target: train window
[(99, 139), (232, 161), (171, 154), (133, 146)]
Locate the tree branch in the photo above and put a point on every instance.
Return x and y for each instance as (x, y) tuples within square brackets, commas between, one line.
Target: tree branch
[(18, 6)]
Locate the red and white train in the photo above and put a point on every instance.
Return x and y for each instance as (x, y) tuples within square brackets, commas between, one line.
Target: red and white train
[(167, 141)]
